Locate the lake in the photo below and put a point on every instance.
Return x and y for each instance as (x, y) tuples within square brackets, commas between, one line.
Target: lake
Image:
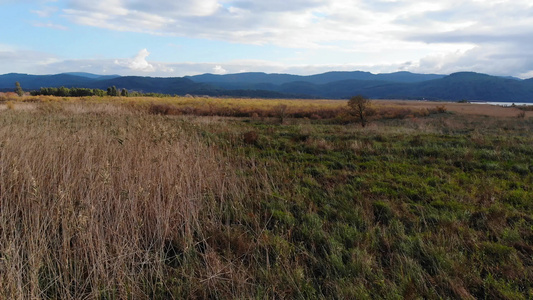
[(504, 103)]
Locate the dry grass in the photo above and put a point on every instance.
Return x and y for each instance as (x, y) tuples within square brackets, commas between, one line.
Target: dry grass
[(104, 199), (258, 108), (92, 203), (458, 108)]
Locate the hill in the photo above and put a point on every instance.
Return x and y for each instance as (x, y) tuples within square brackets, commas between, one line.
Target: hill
[(38, 81), (459, 86), (93, 76), (243, 79), (331, 85)]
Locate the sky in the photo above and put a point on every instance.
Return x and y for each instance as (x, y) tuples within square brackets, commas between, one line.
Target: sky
[(168, 38)]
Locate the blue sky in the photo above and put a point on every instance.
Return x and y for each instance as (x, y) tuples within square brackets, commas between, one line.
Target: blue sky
[(187, 37)]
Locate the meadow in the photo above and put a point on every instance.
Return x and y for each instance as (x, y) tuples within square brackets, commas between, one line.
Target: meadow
[(172, 198)]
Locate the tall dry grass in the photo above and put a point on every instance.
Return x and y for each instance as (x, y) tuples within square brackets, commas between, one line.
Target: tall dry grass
[(112, 205)]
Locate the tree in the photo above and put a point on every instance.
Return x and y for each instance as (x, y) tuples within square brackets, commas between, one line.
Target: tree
[(112, 91), (63, 92), (18, 89), (99, 93), (360, 107), (124, 93)]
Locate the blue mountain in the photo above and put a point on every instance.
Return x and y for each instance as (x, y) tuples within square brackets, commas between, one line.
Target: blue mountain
[(330, 85)]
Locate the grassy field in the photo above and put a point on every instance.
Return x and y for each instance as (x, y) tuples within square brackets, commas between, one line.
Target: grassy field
[(229, 198)]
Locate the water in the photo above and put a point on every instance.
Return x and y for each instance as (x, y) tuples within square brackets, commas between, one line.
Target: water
[(504, 103)]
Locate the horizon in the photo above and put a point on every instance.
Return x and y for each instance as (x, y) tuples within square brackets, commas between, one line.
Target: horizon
[(168, 39), (75, 73)]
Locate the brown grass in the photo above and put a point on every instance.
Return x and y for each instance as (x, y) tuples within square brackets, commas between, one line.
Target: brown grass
[(259, 108), (111, 200), (92, 205), (458, 108)]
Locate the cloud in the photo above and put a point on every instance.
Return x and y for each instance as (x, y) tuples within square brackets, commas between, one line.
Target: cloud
[(489, 59), (139, 63), (279, 22), (490, 36), (16, 60), (45, 12), (359, 27), (426, 29), (50, 25), (183, 8), (219, 70)]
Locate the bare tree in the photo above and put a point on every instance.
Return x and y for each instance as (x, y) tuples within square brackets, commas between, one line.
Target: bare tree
[(281, 112), (359, 106)]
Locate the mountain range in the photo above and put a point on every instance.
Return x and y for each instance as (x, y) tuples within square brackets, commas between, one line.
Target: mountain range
[(331, 85)]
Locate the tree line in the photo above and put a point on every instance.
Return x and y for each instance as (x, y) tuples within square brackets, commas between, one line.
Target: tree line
[(84, 92)]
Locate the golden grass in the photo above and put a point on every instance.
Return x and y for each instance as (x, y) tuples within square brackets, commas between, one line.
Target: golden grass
[(92, 202), (458, 108), (260, 108)]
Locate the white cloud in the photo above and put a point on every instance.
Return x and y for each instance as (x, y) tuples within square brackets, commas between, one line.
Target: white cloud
[(45, 12), (357, 26), (491, 36), (15, 60), (138, 63), (50, 25), (279, 22), (219, 70)]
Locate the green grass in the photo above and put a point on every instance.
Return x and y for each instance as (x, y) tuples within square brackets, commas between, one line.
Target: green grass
[(434, 207), (435, 214)]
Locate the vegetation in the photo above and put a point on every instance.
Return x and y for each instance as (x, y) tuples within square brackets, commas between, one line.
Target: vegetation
[(108, 198), (360, 107), (66, 92), (86, 92), (18, 89), (112, 91)]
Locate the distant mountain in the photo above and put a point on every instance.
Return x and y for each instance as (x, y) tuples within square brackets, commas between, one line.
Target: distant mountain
[(92, 76), (511, 77), (38, 81), (336, 89), (399, 85), (457, 86), (142, 84), (407, 77), (474, 86), (172, 85), (331, 85), (244, 80)]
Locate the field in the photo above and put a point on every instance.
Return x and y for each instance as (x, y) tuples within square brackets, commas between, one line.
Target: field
[(142, 198)]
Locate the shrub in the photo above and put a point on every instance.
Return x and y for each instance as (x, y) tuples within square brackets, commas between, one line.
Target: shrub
[(441, 109), (251, 137), (280, 111), (160, 109)]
